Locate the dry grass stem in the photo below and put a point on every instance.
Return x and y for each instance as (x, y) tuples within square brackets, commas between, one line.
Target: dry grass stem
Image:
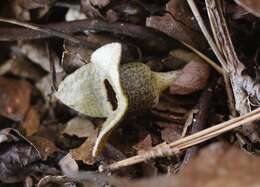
[(179, 145)]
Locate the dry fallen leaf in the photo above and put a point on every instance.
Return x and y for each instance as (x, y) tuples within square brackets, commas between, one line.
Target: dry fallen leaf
[(43, 145), (84, 151), (32, 122), (22, 67), (193, 76), (180, 24), (15, 98)]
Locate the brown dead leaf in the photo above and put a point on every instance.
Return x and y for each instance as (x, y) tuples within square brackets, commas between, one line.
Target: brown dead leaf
[(43, 145), (84, 152), (252, 6), (194, 77), (181, 25), (32, 122), (23, 68), (15, 98)]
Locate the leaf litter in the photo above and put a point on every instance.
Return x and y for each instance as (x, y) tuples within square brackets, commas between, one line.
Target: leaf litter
[(129, 89)]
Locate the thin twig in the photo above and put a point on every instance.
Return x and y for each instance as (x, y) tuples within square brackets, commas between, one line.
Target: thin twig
[(153, 39), (60, 30), (218, 52), (41, 29), (52, 67), (243, 85), (194, 139), (230, 95)]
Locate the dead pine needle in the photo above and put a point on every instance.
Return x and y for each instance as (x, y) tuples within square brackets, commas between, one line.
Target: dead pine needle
[(204, 30), (164, 150)]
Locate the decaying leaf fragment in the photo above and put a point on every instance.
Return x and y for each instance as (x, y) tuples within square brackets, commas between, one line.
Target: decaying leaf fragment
[(20, 158), (194, 74), (16, 154), (32, 122), (178, 24)]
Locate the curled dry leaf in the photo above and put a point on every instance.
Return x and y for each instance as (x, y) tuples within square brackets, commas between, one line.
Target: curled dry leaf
[(179, 24), (80, 127), (15, 98), (193, 76), (252, 6)]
